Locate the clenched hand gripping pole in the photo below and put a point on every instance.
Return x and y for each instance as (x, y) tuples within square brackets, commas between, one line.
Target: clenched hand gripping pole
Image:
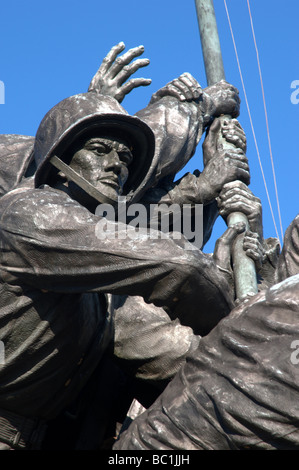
[(243, 266)]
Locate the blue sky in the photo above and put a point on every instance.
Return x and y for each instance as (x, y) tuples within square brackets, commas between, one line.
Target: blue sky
[(51, 50)]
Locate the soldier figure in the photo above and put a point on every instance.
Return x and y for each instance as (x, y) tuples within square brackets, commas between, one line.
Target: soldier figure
[(70, 301)]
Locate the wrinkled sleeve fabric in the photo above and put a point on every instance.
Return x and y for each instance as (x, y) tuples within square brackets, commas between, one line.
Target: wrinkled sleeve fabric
[(15, 157), (239, 390), (183, 193), (288, 262), (178, 127), (147, 343), (51, 242)]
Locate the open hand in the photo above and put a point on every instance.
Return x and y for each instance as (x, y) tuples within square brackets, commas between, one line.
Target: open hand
[(114, 72)]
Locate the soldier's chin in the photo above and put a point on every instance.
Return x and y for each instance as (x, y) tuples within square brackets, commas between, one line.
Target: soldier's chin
[(108, 194), (109, 189)]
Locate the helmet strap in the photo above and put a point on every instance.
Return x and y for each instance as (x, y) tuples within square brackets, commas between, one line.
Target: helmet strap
[(80, 181)]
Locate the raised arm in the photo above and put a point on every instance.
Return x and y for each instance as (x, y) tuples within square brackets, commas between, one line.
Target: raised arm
[(179, 113)]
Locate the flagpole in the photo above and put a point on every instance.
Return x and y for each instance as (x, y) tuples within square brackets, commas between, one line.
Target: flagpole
[(243, 266), (210, 42)]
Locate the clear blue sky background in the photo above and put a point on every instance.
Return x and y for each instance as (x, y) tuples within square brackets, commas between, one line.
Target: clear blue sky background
[(51, 50)]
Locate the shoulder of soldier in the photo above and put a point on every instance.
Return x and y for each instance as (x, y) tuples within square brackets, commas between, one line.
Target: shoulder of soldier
[(38, 207), (16, 155), (28, 194)]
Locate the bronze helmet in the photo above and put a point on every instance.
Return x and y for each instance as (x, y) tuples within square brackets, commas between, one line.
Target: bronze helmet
[(76, 115)]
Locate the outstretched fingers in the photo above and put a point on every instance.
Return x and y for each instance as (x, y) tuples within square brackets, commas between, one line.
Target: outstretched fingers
[(125, 59), (111, 56), (130, 69), (115, 70), (104, 69), (130, 85)]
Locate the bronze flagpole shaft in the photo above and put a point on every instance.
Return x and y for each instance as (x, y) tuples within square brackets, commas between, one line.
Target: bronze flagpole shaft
[(210, 42)]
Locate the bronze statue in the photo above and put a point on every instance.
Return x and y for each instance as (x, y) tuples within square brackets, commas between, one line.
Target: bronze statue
[(67, 297), (239, 389)]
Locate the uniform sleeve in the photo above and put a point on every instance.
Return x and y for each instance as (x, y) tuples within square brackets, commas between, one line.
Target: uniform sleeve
[(178, 127), (238, 390), (15, 157), (51, 242), (147, 343), (288, 262), (185, 191)]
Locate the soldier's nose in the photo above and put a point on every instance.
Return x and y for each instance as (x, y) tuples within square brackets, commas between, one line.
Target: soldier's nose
[(113, 162)]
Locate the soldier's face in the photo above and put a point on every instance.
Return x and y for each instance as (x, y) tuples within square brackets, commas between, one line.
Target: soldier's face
[(103, 161)]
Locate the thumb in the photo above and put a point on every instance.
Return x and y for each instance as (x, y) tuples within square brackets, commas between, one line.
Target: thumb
[(223, 246), (231, 232), (210, 143), (214, 129)]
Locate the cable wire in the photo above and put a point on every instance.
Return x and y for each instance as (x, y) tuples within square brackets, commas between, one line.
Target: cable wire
[(250, 117), (266, 115)]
